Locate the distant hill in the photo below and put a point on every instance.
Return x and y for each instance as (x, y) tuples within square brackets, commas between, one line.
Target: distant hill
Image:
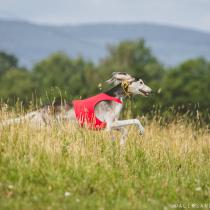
[(32, 42)]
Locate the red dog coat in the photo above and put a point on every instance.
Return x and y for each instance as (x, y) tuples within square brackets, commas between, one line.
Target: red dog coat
[(84, 110)]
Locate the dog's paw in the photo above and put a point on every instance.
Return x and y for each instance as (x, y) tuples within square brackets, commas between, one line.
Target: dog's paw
[(141, 131)]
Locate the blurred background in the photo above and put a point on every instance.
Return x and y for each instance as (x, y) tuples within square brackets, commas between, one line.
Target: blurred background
[(65, 49)]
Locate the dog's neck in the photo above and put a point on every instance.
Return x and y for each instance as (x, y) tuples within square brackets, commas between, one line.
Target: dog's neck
[(117, 92)]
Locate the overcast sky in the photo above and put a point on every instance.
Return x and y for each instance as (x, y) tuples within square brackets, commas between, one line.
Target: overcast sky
[(186, 13)]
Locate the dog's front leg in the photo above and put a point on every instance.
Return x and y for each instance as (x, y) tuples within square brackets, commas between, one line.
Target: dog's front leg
[(124, 135), (123, 131), (122, 123)]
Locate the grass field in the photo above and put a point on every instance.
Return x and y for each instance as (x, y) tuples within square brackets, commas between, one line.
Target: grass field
[(69, 168)]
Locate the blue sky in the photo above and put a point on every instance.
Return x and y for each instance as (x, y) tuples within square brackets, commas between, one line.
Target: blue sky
[(186, 13)]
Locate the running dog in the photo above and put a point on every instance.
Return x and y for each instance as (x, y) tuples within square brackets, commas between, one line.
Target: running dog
[(97, 112)]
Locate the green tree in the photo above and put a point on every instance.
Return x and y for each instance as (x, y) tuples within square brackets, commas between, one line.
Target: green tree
[(16, 84), (187, 87), (7, 62), (60, 75), (133, 57)]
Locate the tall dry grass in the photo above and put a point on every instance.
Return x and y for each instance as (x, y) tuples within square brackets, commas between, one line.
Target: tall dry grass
[(66, 167)]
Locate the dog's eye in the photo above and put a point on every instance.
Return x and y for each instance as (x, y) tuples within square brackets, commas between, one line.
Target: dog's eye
[(141, 82)]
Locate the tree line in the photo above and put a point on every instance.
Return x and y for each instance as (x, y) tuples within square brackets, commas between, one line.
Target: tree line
[(183, 89)]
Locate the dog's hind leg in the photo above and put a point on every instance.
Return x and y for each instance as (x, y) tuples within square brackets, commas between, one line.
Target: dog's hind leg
[(17, 120), (35, 118)]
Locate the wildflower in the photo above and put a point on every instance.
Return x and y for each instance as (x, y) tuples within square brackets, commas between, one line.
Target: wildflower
[(66, 194)]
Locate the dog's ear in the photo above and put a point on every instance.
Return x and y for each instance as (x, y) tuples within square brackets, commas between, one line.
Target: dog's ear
[(119, 77)]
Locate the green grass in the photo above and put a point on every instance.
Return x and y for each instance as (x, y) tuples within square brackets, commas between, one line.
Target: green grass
[(69, 168)]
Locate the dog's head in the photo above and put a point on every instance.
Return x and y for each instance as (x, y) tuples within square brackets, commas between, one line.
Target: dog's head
[(131, 85)]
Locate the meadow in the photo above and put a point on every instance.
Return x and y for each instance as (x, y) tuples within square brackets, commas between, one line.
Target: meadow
[(65, 167)]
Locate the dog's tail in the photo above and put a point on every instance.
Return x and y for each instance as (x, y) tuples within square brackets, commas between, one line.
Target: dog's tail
[(18, 120)]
